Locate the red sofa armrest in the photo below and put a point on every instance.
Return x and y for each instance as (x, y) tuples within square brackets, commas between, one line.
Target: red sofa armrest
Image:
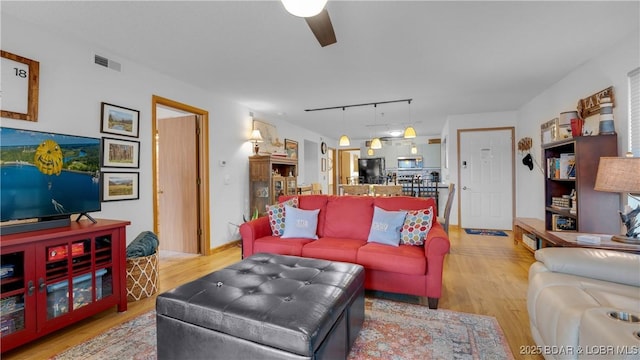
[(435, 248), (252, 230)]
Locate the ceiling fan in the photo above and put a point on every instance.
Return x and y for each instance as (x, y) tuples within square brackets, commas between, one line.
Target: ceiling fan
[(316, 16)]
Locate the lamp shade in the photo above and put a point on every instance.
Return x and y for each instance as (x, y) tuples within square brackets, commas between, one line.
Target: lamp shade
[(306, 8), (376, 144), (255, 136), (618, 174), (409, 132), (344, 141)]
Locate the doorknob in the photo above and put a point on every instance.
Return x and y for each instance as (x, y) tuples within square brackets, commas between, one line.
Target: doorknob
[(160, 192), (465, 188)]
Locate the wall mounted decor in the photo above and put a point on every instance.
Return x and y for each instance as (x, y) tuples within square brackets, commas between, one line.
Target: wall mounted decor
[(119, 120), (591, 104), (20, 86), (271, 142), (291, 147), (549, 131), (120, 186), (120, 153)]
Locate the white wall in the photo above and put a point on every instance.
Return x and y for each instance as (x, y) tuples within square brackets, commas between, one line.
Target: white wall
[(609, 68), (72, 88)]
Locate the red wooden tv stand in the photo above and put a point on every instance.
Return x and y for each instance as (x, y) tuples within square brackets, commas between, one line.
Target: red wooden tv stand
[(55, 277)]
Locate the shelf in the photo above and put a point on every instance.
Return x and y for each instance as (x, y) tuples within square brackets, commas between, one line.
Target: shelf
[(562, 212)]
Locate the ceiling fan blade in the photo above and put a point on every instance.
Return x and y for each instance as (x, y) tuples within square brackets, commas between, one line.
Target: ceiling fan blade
[(322, 28)]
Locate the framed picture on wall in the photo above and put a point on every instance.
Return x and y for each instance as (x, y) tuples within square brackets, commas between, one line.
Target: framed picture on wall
[(119, 120), (291, 148), (120, 186), (120, 153)]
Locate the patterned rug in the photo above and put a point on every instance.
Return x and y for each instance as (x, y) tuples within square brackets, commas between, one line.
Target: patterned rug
[(485, 232), (392, 330)]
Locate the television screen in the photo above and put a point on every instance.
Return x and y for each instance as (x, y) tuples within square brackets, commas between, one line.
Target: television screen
[(47, 175)]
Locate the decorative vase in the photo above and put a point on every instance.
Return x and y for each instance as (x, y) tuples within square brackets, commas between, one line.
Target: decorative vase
[(606, 126)]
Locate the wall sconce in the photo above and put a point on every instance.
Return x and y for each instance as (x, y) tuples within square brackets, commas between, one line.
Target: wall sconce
[(255, 138)]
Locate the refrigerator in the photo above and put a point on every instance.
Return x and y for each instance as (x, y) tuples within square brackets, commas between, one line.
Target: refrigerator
[(371, 171)]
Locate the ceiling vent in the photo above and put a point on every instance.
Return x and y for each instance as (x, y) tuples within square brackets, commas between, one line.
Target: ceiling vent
[(103, 61)]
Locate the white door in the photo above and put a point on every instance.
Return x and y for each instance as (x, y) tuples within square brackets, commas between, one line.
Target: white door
[(486, 178)]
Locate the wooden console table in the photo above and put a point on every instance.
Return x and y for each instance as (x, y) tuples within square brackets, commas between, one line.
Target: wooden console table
[(546, 238)]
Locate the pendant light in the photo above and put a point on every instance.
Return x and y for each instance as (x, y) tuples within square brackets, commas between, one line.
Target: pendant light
[(409, 132), (370, 151), (305, 8), (375, 143), (414, 149), (344, 139)]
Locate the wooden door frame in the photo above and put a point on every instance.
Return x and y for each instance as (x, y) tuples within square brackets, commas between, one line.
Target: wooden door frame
[(513, 169), (338, 159), (204, 242)]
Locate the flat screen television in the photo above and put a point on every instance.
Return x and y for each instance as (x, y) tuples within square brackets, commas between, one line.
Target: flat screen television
[(47, 177)]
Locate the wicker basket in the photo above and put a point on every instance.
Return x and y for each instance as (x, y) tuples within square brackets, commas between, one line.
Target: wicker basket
[(142, 277)]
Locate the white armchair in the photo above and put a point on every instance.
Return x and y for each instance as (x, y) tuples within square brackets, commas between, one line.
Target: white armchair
[(575, 299)]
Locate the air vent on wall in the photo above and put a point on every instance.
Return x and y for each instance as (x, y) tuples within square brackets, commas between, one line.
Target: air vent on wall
[(434, 141), (103, 61)]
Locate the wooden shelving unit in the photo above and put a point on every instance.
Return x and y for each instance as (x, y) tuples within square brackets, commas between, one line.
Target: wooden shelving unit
[(269, 177), (596, 211)]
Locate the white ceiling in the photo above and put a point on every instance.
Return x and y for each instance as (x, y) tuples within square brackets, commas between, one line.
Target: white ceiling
[(450, 57)]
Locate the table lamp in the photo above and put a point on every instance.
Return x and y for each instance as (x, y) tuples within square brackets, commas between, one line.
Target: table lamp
[(255, 138), (622, 175)]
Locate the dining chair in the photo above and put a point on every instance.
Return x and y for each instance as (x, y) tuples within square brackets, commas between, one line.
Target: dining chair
[(444, 219), (387, 190), (355, 189), (316, 188)]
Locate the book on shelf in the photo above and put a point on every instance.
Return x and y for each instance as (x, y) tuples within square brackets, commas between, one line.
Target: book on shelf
[(563, 167)]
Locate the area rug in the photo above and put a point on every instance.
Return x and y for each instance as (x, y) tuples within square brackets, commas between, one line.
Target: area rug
[(392, 330), (486, 232)]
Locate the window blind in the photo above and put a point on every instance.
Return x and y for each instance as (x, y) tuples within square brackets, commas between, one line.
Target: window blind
[(634, 112)]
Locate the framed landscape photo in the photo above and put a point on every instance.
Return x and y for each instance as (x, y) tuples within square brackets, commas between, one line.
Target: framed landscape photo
[(291, 148), (119, 120), (120, 186), (120, 153)]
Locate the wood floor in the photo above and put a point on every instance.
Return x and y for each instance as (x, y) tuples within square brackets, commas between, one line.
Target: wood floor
[(483, 275)]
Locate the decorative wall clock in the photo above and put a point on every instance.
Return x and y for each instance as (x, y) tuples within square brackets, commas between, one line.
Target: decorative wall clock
[(19, 87), (323, 147)]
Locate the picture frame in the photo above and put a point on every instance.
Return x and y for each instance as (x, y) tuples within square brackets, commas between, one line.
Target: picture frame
[(549, 131), (119, 120), (323, 166), (562, 223), (118, 153), (117, 186), (291, 148), (270, 141), (20, 87)]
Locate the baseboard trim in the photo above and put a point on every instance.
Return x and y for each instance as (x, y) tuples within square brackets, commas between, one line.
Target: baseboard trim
[(224, 247)]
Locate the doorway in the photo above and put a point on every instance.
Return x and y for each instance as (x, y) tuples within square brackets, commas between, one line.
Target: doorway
[(348, 165), (180, 177), (486, 178)]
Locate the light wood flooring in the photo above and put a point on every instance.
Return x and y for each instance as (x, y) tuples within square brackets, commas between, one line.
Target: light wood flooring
[(483, 275)]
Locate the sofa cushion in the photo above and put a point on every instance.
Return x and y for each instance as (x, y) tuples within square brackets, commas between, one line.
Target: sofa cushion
[(385, 226), (311, 202), (348, 217), (277, 215), (404, 259), (336, 249), (416, 226), (405, 203), (300, 223), (277, 245)]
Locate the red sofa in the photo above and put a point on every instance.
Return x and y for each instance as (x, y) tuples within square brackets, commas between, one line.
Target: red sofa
[(343, 228)]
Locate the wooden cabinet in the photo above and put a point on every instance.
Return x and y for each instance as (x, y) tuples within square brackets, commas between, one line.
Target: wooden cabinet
[(595, 211), (269, 177), (55, 277)]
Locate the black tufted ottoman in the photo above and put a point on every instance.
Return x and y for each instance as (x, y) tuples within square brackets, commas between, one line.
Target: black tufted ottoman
[(264, 307)]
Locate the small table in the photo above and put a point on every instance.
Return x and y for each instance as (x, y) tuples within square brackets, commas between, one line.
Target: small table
[(536, 227)]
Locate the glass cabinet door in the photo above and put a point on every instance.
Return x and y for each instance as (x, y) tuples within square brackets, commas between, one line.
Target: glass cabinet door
[(17, 304)]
